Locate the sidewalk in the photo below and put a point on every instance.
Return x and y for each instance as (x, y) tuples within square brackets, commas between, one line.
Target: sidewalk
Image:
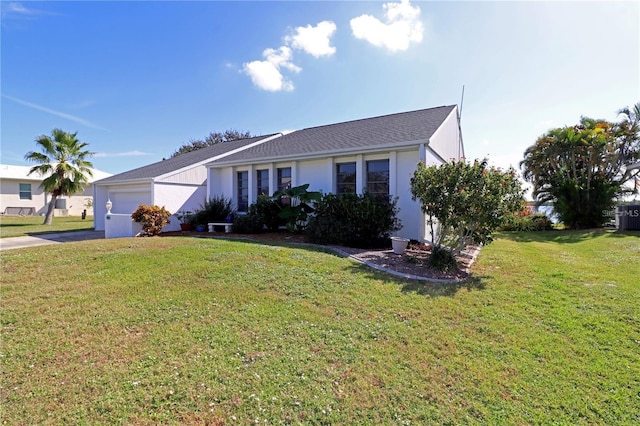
[(46, 239)]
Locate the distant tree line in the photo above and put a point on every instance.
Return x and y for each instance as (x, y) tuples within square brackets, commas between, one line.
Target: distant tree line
[(212, 139)]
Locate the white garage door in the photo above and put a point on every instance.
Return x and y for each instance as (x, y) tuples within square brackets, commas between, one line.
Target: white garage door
[(128, 202)]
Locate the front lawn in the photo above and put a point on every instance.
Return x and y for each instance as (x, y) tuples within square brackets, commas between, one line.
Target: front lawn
[(18, 226), (206, 331)]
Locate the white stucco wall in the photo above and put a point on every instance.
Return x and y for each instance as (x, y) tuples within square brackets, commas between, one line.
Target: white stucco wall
[(177, 198), (446, 141), (410, 214), (317, 173), (10, 190), (10, 197)]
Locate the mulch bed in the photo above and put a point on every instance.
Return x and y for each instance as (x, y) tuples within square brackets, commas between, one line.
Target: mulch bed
[(411, 263)]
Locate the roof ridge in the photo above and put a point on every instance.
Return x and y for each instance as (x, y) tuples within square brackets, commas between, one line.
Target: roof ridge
[(377, 117)]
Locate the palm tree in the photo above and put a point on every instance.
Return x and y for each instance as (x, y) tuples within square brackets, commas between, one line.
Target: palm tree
[(62, 164)]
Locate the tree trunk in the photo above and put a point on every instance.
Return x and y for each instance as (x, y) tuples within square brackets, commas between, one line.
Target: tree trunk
[(48, 219)]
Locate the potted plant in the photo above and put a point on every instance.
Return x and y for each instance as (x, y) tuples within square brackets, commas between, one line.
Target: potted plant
[(399, 244), (184, 217)]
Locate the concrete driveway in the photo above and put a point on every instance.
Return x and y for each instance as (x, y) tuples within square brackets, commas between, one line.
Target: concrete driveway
[(47, 239)]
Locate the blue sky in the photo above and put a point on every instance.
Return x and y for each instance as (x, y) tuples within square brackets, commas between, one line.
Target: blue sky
[(138, 79)]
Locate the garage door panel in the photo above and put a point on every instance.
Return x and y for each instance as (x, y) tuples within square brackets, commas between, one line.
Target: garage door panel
[(128, 202)]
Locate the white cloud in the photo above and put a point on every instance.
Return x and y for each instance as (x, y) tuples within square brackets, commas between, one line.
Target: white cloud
[(15, 9), (266, 74), (281, 58), (316, 41), (18, 8), (402, 27)]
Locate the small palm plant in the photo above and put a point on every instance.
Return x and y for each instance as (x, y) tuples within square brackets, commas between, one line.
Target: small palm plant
[(62, 164)]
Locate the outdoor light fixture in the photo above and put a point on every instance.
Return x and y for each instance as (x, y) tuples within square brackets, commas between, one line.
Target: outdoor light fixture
[(109, 205)]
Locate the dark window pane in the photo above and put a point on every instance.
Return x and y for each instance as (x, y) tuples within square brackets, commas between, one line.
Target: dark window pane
[(378, 177), (25, 191), (263, 182), (243, 191), (284, 178), (346, 178)]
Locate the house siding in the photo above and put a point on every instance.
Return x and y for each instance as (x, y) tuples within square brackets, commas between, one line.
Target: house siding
[(446, 141), (320, 175), (11, 195), (125, 200), (177, 198), (196, 175), (10, 190)]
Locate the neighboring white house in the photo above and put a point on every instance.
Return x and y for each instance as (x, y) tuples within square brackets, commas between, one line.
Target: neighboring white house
[(21, 193), (377, 155), (178, 183)]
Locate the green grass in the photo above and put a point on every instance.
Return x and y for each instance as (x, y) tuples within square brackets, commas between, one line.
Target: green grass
[(203, 331), (16, 226)]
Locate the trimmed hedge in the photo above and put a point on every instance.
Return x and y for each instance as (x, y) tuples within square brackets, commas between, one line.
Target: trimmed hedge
[(354, 220)]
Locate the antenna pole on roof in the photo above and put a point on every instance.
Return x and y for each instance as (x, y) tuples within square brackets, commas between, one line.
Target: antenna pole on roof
[(461, 101)]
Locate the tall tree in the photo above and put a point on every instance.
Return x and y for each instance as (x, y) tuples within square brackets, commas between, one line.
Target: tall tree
[(212, 139), (582, 169), (62, 162)]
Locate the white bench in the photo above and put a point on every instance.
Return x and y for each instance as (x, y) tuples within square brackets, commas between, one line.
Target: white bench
[(227, 226)]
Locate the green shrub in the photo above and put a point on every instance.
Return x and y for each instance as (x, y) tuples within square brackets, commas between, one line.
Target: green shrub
[(354, 220), (216, 209), (248, 224), (269, 211), (153, 218), (534, 222), (442, 259)]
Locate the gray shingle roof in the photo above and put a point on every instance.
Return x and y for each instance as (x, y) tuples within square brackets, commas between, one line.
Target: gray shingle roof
[(181, 161), (351, 135)]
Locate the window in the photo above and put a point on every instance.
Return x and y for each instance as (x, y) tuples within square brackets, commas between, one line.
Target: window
[(284, 178), (346, 178), (284, 183), (243, 191), (25, 191), (378, 177), (263, 182)]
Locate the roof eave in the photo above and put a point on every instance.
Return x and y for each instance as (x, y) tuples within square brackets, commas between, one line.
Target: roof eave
[(402, 146), (123, 181)]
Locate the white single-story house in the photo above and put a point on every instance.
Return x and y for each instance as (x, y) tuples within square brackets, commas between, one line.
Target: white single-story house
[(377, 155), (178, 183), (21, 194)]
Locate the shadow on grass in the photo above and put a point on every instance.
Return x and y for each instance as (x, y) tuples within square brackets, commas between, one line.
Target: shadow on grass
[(444, 289), (565, 236), (423, 287)]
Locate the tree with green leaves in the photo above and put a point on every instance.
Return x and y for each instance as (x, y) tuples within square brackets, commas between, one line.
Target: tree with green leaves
[(464, 202), (63, 165), (212, 139), (582, 169)]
